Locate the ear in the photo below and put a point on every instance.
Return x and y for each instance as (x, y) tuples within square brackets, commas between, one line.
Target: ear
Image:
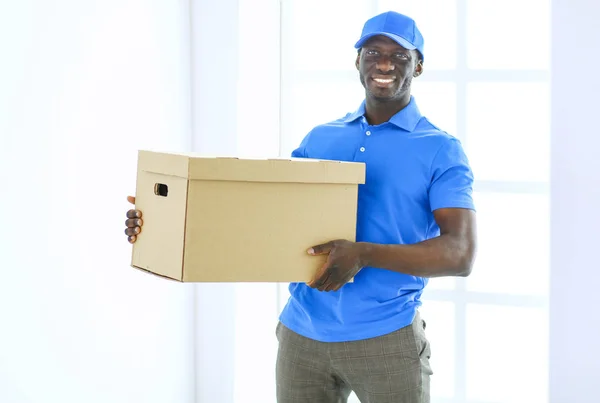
[(357, 63), (418, 69)]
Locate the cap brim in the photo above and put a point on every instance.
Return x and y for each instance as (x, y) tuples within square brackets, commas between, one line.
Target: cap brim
[(398, 39)]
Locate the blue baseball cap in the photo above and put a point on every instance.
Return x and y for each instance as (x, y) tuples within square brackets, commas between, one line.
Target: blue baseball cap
[(396, 26)]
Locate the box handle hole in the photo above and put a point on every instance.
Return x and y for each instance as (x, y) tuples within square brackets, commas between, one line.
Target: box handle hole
[(160, 189)]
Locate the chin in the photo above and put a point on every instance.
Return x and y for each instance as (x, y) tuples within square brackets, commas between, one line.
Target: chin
[(383, 96)]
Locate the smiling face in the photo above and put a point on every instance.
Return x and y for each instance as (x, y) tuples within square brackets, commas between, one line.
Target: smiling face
[(387, 69)]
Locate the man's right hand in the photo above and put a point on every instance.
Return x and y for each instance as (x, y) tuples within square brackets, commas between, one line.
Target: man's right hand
[(134, 222)]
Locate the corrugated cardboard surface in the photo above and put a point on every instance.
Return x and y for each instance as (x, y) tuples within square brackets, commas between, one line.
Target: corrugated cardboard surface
[(244, 231), (240, 220), (159, 248)]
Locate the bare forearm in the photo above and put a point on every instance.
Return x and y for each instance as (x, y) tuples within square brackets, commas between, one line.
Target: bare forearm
[(446, 255)]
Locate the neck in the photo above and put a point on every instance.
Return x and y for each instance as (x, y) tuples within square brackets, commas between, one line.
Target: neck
[(380, 111)]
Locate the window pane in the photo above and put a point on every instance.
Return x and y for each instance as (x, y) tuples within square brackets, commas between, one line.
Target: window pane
[(439, 317), (320, 35), (438, 28), (513, 34), (508, 131), (513, 243), (437, 101), (507, 354), (310, 103)]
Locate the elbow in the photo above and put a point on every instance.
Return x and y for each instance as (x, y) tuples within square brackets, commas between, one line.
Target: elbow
[(464, 270), (466, 261)]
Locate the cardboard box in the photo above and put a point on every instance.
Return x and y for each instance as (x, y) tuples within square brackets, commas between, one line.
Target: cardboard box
[(211, 219)]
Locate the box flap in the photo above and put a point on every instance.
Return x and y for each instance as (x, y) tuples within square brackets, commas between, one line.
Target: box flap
[(296, 170), (172, 164)]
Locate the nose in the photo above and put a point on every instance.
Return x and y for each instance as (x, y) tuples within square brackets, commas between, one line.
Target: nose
[(384, 64)]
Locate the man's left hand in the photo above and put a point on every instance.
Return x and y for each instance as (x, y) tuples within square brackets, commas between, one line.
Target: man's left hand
[(344, 260)]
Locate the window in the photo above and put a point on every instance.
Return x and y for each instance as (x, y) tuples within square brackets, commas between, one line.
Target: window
[(488, 85)]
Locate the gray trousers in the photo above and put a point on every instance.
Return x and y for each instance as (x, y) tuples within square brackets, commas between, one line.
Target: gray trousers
[(393, 368)]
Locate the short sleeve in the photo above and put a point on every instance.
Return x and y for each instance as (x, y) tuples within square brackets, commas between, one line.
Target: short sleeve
[(451, 178), (301, 152)]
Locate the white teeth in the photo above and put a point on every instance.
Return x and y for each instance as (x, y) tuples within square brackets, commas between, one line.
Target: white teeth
[(384, 80)]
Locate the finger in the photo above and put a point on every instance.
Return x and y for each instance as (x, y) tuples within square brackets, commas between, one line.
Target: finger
[(318, 278), (133, 231), (328, 287), (330, 284), (321, 249), (132, 238), (134, 214), (322, 275), (338, 286), (320, 282), (326, 280), (134, 222), (131, 199), (343, 282)]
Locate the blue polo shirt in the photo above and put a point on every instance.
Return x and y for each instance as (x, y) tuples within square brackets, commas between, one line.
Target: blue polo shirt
[(412, 169)]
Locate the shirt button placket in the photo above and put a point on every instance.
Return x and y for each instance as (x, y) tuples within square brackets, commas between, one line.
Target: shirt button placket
[(362, 149)]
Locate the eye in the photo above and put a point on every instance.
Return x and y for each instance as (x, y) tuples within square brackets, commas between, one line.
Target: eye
[(401, 55), (371, 52)]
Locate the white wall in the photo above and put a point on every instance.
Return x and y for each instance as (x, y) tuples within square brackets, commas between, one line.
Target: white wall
[(575, 296), (83, 85), (235, 104)]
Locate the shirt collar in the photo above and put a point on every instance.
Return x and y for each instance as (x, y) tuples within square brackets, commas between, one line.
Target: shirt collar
[(406, 119)]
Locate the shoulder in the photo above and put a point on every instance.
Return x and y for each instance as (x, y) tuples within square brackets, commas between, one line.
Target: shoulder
[(433, 138), (442, 149), (333, 126), (330, 129), (323, 138), (426, 128)]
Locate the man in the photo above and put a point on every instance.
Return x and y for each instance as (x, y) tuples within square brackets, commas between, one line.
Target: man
[(415, 220)]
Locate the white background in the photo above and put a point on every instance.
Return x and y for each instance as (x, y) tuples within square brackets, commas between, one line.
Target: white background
[(84, 84), (575, 274)]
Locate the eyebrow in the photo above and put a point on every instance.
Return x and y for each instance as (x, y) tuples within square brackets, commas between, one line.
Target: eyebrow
[(398, 49)]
